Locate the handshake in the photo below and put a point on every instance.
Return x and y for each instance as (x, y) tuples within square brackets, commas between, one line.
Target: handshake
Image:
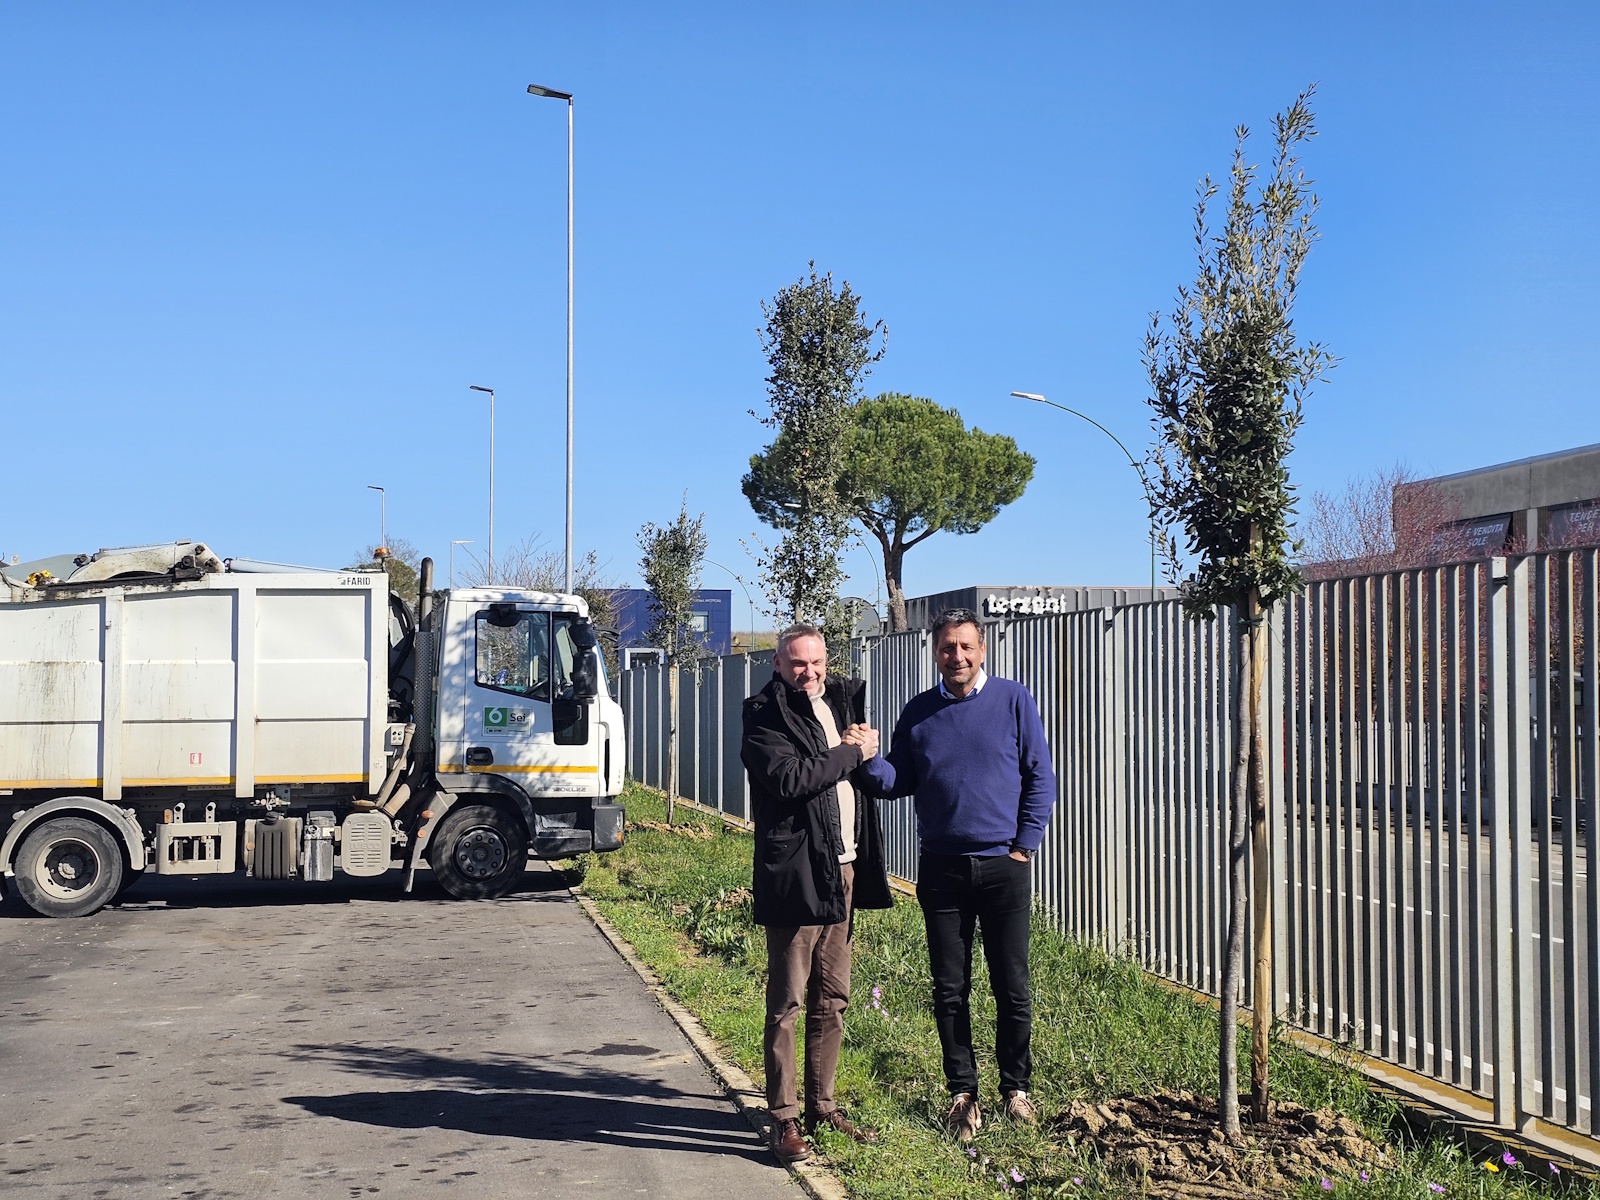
[(861, 735)]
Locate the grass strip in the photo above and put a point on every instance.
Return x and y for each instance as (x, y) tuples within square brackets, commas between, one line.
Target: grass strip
[(680, 895)]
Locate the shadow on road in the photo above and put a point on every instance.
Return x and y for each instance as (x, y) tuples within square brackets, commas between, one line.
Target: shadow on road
[(540, 883), (530, 1100)]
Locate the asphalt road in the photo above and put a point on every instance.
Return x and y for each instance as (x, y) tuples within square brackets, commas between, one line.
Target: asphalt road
[(231, 1038)]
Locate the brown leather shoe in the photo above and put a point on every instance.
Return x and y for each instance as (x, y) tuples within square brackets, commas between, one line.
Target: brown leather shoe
[(965, 1118), (1019, 1109), (837, 1120), (786, 1143)]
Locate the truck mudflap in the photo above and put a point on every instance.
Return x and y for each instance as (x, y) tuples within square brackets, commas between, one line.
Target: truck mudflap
[(608, 825)]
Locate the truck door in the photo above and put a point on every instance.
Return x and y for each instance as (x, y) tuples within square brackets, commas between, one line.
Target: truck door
[(507, 697), (520, 718)]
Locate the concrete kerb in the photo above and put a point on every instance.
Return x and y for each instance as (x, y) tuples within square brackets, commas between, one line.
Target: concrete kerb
[(817, 1181)]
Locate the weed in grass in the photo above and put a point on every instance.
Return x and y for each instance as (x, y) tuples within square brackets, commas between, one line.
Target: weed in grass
[(1101, 1028)]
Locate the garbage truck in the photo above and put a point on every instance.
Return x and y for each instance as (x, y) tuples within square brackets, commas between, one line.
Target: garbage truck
[(166, 711)]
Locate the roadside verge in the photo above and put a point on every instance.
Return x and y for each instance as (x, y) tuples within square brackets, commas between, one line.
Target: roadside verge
[(818, 1182)]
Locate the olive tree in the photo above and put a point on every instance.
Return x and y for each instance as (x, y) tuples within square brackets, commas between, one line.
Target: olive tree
[(819, 347), (1228, 379), (672, 559)]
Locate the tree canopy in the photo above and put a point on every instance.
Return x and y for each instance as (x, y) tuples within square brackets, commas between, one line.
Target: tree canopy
[(819, 346), (909, 469), (399, 564), (671, 563)]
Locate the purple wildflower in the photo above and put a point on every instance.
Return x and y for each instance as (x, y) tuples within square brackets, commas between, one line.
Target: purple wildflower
[(1077, 1180), (1434, 1187), (1554, 1170), (1509, 1159), (1016, 1175), (1327, 1184), (877, 993), (1365, 1177)]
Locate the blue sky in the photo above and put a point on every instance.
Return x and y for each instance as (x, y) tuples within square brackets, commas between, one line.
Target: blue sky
[(251, 256)]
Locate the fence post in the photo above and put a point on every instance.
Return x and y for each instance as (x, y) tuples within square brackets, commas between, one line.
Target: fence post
[(735, 687), (1524, 962), (1280, 620), (1114, 696), (1504, 1040)]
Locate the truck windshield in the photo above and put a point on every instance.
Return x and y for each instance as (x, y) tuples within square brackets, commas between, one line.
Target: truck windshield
[(515, 658)]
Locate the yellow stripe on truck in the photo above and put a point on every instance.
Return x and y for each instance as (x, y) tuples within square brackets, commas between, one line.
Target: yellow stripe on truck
[(492, 769)]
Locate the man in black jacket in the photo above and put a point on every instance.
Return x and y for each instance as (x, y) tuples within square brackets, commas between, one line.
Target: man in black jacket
[(818, 857)]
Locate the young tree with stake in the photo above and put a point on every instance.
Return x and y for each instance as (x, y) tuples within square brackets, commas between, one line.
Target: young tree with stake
[(673, 557), (1228, 380), (819, 347)]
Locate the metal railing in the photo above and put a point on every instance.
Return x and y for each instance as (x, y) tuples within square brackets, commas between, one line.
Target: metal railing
[(1432, 767)]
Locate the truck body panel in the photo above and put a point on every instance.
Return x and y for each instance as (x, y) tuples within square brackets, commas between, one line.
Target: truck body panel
[(231, 681)]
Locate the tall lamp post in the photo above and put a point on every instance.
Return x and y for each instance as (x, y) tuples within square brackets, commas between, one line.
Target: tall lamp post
[(490, 391), (1132, 462), (383, 521), (453, 545), (535, 89), (751, 647)]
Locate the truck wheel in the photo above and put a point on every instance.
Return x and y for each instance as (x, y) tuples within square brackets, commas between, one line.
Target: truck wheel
[(69, 867), (478, 852)]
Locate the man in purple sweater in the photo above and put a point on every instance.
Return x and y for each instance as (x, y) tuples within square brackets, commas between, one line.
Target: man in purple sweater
[(973, 752)]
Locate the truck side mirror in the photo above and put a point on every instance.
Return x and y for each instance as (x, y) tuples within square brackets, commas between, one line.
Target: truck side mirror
[(586, 674)]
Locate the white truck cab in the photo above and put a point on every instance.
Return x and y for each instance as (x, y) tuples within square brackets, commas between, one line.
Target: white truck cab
[(524, 712)]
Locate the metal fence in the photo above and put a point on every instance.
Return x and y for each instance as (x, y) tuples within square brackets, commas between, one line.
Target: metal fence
[(1432, 771)]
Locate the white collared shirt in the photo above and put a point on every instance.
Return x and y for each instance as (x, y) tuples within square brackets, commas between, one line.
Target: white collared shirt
[(977, 686)]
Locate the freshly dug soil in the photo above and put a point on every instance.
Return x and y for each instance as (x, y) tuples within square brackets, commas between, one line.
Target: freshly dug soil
[(1170, 1143)]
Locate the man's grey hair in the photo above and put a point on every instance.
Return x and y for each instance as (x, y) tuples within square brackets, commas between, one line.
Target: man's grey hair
[(956, 616), (799, 629)]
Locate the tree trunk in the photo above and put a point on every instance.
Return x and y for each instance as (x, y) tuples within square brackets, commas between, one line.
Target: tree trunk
[(672, 739), (1233, 958), (892, 565), (1260, 854)]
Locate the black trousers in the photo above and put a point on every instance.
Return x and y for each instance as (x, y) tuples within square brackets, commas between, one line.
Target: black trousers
[(959, 893)]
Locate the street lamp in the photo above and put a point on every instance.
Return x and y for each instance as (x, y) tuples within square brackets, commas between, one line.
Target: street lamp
[(383, 521), (453, 545), (535, 89), (1132, 462), (476, 388), (752, 644), (862, 542)]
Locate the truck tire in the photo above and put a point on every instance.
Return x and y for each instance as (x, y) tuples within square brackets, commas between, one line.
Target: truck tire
[(478, 852), (69, 867)]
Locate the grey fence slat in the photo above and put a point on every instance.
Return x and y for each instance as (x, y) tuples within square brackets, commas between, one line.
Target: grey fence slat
[(1588, 1040)]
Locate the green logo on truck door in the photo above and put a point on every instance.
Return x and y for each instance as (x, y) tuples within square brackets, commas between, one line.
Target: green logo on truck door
[(502, 720)]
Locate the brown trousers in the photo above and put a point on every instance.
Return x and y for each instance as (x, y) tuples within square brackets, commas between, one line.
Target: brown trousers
[(809, 963)]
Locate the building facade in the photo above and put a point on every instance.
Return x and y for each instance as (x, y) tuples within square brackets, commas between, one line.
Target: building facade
[(993, 601), (1547, 502), (711, 619)]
